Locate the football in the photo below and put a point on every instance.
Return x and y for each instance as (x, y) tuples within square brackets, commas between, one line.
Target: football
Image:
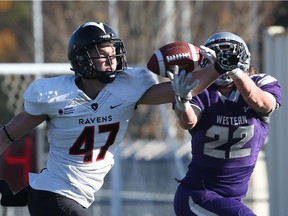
[(185, 55)]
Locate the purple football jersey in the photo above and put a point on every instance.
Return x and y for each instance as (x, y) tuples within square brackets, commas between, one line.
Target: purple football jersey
[(227, 139)]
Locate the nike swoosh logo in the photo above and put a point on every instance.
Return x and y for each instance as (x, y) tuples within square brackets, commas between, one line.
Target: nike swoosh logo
[(112, 107)]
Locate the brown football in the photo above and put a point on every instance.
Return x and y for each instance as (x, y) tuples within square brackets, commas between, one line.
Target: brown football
[(185, 55)]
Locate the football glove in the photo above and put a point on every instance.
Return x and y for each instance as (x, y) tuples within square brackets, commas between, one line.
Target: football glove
[(227, 60), (209, 54), (183, 86)]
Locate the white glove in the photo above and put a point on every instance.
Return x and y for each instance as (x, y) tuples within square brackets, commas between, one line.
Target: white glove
[(208, 53), (183, 85)]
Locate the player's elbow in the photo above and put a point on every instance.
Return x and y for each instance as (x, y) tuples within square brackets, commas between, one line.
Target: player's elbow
[(186, 125)]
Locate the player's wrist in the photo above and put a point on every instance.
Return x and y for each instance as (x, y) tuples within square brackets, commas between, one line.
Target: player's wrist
[(182, 104), (235, 74)]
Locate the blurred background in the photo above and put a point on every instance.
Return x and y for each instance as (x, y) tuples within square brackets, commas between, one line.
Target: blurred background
[(33, 40)]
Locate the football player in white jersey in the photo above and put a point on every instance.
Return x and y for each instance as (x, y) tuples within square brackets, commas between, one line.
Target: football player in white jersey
[(87, 115)]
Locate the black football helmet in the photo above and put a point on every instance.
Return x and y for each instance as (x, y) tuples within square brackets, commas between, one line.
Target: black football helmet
[(223, 40), (87, 36)]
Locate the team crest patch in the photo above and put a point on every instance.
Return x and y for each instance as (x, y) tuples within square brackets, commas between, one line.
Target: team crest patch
[(94, 106), (66, 111)]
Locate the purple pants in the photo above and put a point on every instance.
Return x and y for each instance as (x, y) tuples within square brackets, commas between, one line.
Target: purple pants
[(189, 202)]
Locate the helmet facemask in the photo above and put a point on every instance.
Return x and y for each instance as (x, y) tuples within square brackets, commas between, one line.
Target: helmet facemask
[(90, 71)]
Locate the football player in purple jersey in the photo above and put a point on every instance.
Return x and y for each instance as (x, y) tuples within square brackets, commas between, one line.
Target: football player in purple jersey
[(228, 123), (87, 114)]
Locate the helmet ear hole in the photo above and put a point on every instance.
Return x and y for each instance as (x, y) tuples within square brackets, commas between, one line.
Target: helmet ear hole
[(79, 60)]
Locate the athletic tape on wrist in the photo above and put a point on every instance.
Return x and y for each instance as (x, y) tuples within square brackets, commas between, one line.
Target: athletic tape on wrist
[(182, 106), (236, 74)]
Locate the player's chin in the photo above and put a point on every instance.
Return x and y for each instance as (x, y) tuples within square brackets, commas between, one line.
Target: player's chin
[(108, 69)]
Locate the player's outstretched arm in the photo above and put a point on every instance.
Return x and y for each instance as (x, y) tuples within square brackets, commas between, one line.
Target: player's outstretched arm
[(17, 127), (206, 77), (160, 93), (206, 74), (184, 84), (255, 97)]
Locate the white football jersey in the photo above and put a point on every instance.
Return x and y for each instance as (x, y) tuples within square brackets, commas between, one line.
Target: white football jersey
[(82, 131)]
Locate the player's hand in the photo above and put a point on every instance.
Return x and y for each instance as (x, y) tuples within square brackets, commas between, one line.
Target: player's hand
[(228, 60), (183, 85), (209, 54)]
